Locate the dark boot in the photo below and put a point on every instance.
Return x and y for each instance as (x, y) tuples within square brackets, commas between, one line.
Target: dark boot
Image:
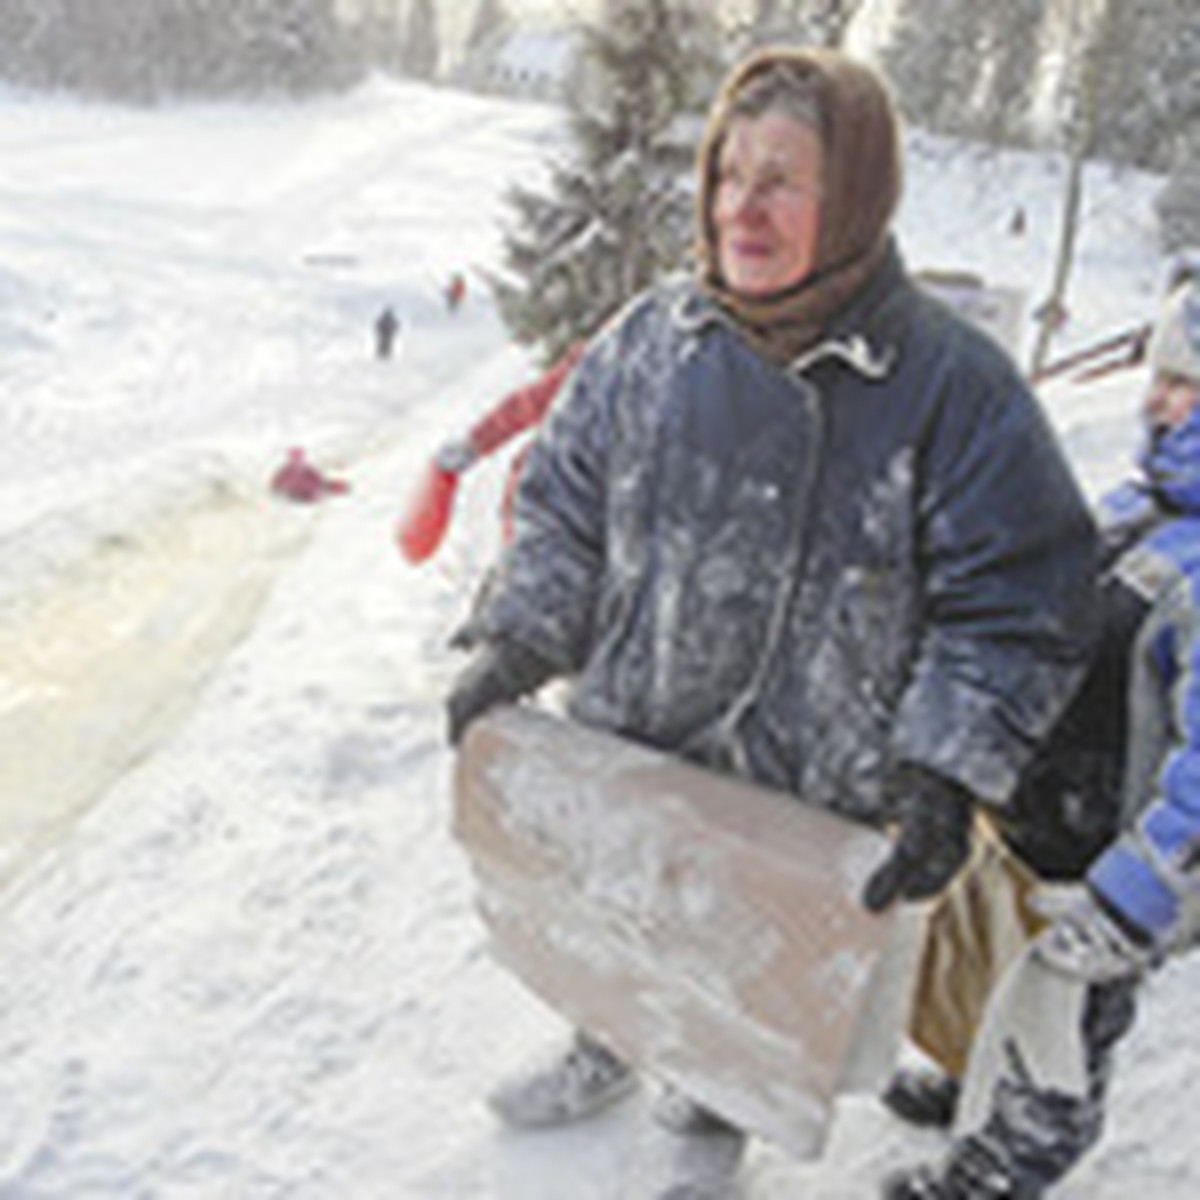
[(1033, 1135), (923, 1097), (972, 1171)]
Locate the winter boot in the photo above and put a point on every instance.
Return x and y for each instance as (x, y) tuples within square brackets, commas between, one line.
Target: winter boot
[(973, 1171), (923, 1097), (689, 1153), (573, 1087)]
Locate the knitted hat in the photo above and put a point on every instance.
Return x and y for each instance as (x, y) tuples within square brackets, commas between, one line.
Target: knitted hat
[(1175, 342)]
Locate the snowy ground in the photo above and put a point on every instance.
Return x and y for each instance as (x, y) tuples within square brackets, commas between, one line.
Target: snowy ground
[(238, 956)]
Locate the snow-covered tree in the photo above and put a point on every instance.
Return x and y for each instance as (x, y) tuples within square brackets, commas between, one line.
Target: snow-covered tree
[(422, 44), (150, 49), (379, 28), (799, 22), (1150, 88), (932, 60), (1178, 205), (617, 213), (1010, 53), (967, 67), (489, 24)]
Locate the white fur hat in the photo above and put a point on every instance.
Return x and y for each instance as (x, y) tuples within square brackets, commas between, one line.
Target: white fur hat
[(1175, 342)]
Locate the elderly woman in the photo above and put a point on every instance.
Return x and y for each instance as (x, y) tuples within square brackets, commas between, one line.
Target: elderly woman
[(794, 520)]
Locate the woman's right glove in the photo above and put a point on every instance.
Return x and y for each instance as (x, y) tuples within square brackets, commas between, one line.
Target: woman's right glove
[(933, 842), (501, 672)]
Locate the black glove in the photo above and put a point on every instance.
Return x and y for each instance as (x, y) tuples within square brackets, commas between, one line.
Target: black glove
[(933, 842), (500, 673), (465, 637)]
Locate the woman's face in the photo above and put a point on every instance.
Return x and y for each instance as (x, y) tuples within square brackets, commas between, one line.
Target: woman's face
[(1170, 400), (767, 205)]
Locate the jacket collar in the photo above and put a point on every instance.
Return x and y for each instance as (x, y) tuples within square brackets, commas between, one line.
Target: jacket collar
[(864, 335)]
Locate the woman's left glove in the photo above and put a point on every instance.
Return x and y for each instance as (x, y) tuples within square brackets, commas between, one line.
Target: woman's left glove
[(934, 839), (1095, 942), (500, 673)]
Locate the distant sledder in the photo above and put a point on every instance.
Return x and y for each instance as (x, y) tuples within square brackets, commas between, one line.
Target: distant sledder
[(300, 481), (778, 526)]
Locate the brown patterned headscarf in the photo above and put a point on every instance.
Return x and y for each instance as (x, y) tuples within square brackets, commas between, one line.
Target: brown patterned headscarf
[(860, 140)]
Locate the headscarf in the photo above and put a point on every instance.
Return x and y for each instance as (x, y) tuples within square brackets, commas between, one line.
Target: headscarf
[(860, 140)]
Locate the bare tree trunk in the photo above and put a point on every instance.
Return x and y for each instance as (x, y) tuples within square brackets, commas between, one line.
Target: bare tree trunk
[(1053, 309)]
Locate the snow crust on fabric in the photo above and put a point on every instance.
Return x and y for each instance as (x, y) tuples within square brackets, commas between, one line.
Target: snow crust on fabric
[(708, 930)]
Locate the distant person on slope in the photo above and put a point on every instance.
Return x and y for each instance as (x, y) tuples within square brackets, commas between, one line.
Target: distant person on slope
[(1034, 1094), (299, 480), (387, 327), (778, 522)]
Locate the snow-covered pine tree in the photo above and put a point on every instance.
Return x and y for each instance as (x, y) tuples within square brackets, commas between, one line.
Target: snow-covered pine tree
[(932, 61), (617, 212), (489, 24), (1151, 83), (151, 49), (1178, 204), (798, 22), (1010, 55), (422, 44), (967, 67)]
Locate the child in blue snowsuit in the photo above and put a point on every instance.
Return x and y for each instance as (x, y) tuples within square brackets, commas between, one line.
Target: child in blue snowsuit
[(1033, 1099)]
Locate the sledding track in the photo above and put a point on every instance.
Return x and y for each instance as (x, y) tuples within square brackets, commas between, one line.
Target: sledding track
[(103, 661)]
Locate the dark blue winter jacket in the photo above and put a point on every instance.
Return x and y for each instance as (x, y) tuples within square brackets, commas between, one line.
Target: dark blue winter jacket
[(805, 575)]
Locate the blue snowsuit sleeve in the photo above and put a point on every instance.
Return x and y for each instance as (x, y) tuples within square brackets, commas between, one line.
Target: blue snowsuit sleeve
[(1152, 874)]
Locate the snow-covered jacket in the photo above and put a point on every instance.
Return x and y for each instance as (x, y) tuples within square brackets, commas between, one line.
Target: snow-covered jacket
[(803, 575), (1152, 874)]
